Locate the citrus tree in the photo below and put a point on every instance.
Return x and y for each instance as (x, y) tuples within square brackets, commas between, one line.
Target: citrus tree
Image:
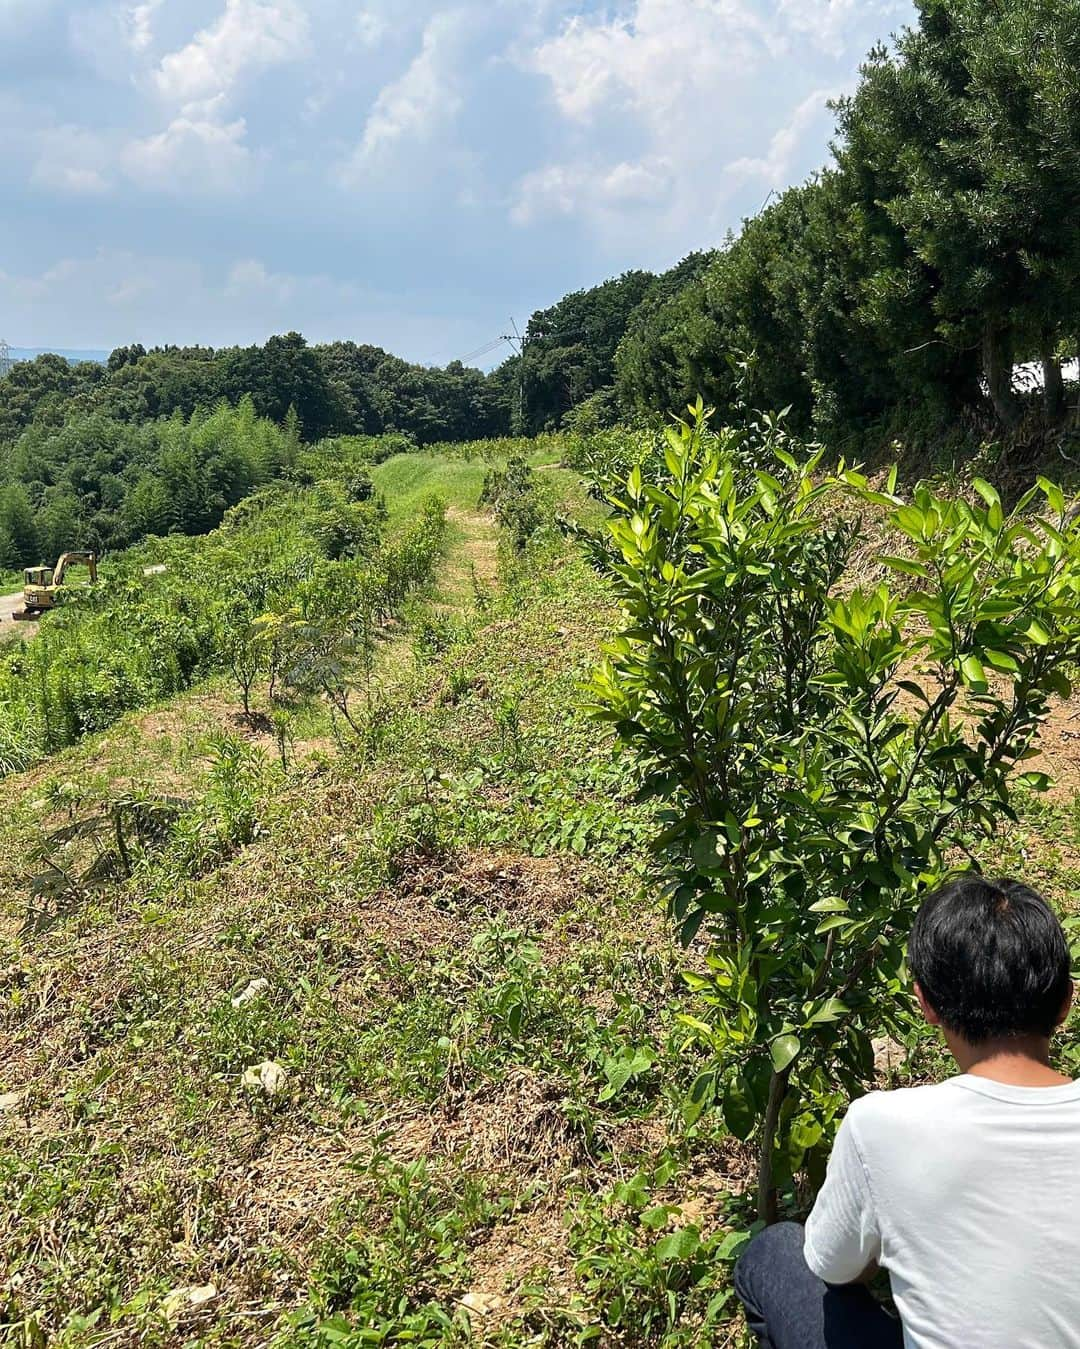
[(822, 751)]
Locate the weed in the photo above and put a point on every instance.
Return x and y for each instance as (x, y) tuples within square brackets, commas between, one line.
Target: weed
[(392, 1283)]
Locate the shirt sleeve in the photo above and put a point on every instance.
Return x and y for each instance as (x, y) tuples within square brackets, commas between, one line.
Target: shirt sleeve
[(842, 1233)]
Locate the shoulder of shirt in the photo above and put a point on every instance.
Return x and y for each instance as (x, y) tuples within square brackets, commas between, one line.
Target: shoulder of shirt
[(881, 1108)]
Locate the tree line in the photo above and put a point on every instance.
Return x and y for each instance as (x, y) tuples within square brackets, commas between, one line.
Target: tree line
[(338, 389), (97, 482), (938, 249)]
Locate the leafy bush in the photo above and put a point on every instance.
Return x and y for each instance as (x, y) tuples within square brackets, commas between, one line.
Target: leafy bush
[(819, 754), (390, 1285), (657, 1279), (511, 492), (226, 818)]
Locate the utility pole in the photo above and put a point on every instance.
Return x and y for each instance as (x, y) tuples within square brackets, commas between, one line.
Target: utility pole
[(517, 346), (5, 359)]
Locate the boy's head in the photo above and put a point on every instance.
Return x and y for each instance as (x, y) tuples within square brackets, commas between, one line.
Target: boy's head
[(990, 960)]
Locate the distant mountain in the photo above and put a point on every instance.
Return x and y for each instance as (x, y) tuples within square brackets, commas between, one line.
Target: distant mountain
[(75, 357)]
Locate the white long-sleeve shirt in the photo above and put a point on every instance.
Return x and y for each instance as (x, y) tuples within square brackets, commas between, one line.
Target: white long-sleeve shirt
[(968, 1193)]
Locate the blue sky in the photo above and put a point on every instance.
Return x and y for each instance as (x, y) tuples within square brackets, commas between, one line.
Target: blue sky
[(402, 172)]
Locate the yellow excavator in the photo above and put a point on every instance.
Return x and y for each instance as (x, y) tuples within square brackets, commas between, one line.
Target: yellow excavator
[(43, 584)]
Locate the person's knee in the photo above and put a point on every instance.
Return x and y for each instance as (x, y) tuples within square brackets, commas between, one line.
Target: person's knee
[(772, 1249)]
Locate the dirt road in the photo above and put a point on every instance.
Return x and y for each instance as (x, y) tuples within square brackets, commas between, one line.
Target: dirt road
[(8, 606)]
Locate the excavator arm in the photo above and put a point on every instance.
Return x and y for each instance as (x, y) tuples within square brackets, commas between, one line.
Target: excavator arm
[(73, 560)]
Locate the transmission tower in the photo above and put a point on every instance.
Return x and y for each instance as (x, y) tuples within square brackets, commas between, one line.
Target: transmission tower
[(5, 359)]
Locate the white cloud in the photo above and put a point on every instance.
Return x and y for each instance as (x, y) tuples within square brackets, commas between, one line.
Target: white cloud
[(108, 34), (198, 152), (663, 81), (371, 28), (248, 37), (774, 168), (425, 98), (202, 150), (570, 189), (652, 58), (71, 159), (672, 108), (828, 23), (250, 277), (140, 21)]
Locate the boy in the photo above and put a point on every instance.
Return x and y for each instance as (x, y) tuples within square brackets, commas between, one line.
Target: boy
[(967, 1192)]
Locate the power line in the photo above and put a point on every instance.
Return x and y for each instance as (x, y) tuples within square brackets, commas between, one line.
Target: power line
[(485, 350), (517, 342)]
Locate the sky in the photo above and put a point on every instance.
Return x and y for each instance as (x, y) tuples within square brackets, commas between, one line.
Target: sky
[(401, 172)]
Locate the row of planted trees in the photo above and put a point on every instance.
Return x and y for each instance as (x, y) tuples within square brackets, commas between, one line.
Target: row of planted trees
[(322, 640), (824, 749), (296, 587)]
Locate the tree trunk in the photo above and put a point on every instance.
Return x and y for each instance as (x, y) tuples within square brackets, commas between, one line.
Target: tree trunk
[(997, 370), (766, 1190), (1053, 386)]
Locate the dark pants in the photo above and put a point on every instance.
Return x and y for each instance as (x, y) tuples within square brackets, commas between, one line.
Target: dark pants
[(789, 1307)]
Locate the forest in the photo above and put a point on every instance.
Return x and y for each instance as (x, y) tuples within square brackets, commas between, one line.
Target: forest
[(458, 859)]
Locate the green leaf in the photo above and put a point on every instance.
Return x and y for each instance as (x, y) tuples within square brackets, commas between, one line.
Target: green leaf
[(705, 851), (905, 564), (620, 1069), (832, 1010), (784, 1051), (1055, 497), (988, 494), (732, 1245), (1001, 660), (1037, 633), (681, 1245), (740, 1109), (806, 1133), (916, 690), (971, 668), (700, 1096)]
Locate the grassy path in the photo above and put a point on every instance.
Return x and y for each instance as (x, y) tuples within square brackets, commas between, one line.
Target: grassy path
[(472, 551)]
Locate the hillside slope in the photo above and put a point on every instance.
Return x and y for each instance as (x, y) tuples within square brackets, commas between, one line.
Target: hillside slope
[(456, 964), (379, 1042)]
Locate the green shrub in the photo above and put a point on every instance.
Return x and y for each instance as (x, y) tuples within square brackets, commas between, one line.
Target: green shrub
[(512, 494), (818, 754)]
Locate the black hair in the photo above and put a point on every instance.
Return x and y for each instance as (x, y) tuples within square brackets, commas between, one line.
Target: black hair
[(991, 959)]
